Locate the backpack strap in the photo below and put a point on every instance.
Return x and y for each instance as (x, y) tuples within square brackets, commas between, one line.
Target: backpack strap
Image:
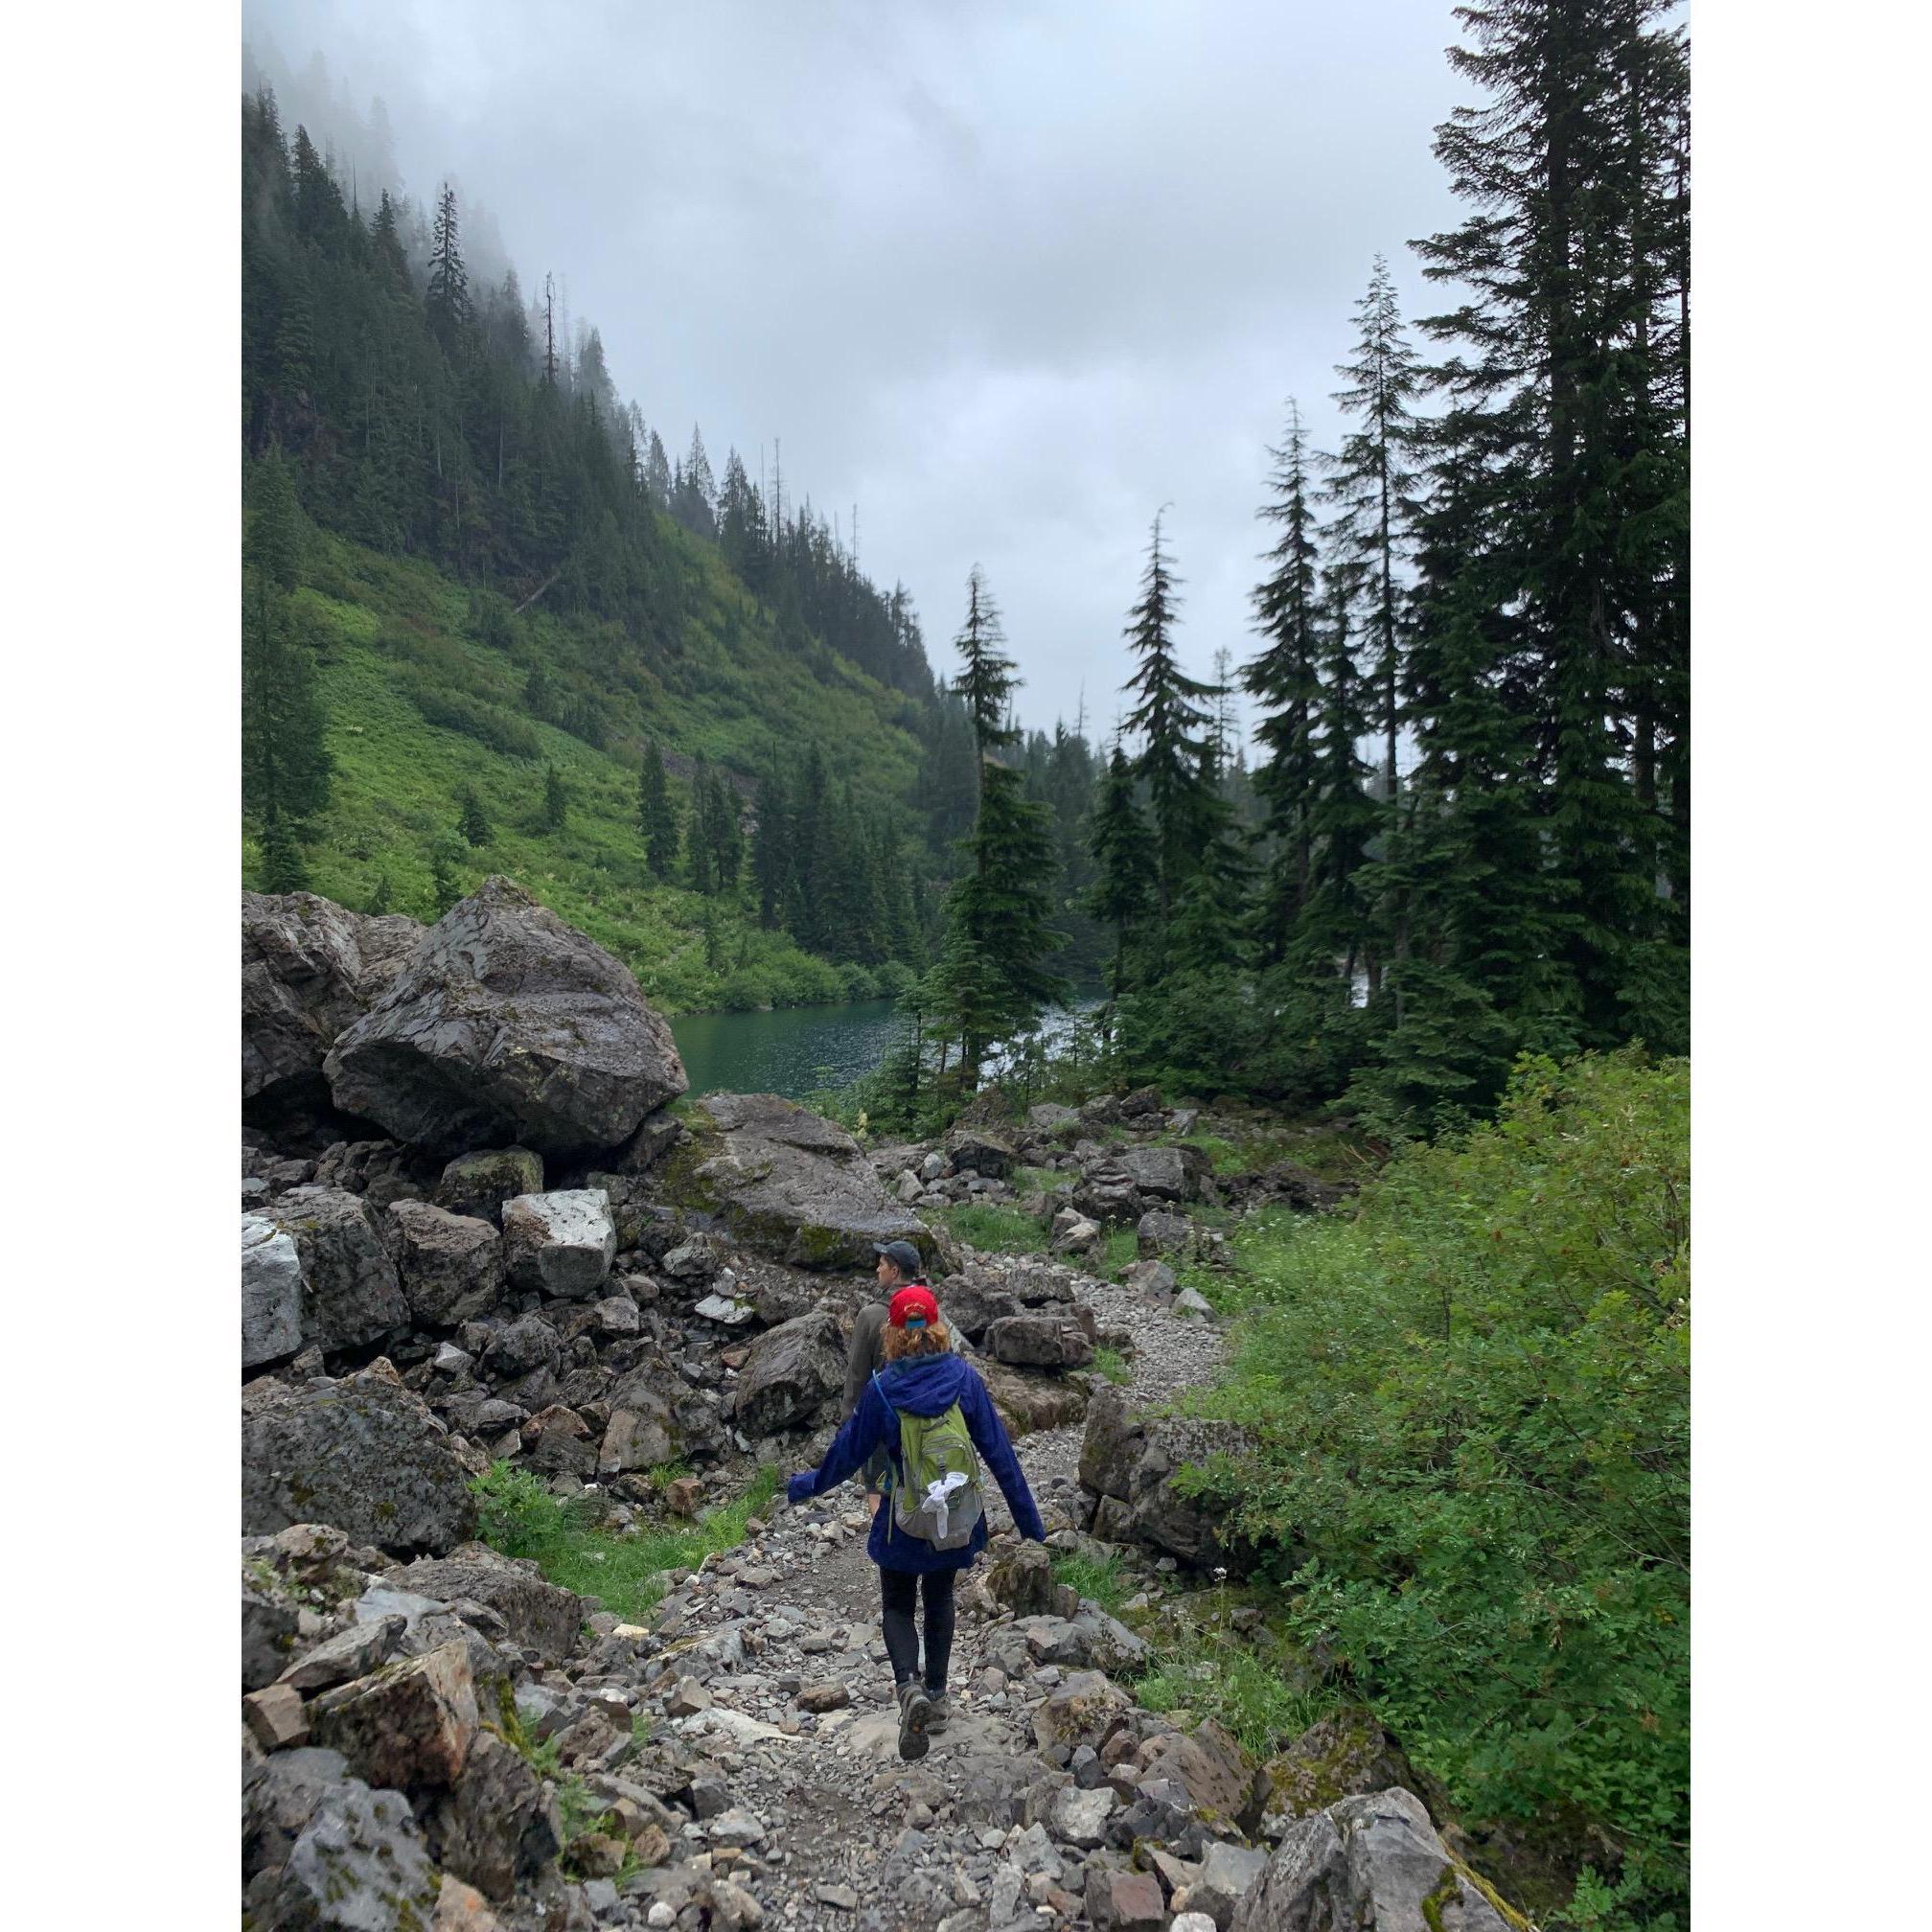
[(886, 1502)]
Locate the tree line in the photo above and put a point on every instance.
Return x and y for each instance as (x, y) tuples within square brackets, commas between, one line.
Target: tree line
[(1468, 836)]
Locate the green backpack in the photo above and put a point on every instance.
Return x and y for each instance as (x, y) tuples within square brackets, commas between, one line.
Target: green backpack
[(938, 1495)]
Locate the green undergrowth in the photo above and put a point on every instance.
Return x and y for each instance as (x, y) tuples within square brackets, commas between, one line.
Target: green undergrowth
[(1112, 1365), (1102, 1579), (994, 1230), (1471, 1400), (1227, 1681), (626, 1572), (428, 699)]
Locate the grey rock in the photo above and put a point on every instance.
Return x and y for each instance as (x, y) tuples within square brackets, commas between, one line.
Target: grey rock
[(498, 1823), (269, 1628), (349, 1653), (507, 1026), (352, 1293), (1154, 1281), (271, 1293), (1079, 1817), (407, 1727), (986, 1153), (1194, 1306), (736, 1826), (450, 1360), (450, 1265), (790, 1373), (792, 1186), (536, 1615), (1370, 1862), (278, 1797), (1048, 1117), (310, 968), (656, 1136), (725, 1312), (359, 1866), (479, 1183), (519, 1347), (1227, 1874), (1040, 1341), (1158, 1171), (1160, 1231), (562, 1243), (362, 1454)]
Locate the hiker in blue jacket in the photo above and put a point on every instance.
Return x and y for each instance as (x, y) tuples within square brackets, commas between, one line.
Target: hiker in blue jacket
[(911, 1534)]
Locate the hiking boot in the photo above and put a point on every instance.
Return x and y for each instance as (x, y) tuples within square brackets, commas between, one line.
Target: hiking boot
[(938, 1711), (915, 1713)]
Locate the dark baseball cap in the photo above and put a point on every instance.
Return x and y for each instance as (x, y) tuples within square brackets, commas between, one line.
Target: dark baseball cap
[(902, 1256)]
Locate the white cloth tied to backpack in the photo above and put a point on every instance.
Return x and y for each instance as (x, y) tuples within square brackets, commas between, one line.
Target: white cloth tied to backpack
[(936, 1494)]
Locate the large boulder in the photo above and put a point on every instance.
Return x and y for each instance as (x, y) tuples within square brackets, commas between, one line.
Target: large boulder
[(536, 1615), (362, 1454), (788, 1183), (562, 1243), (985, 1153), (452, 1265), (479, 1183), (354, 1294), (790, 1373), (271, 1293), (1158, 1171), (309, 969), (1210, 1764), (504, 1025), (1131, 1461), (358, 1864), (499, 1823), (1373, 1864), (408, 1726), (1039, 1342)]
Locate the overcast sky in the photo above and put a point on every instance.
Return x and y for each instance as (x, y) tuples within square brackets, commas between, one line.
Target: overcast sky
[(1009, 276)]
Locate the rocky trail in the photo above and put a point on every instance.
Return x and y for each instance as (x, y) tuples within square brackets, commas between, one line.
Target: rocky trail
[(801, 1723), (495, 1274)]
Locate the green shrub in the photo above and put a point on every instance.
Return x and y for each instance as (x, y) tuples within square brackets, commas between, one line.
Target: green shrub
[(521, 1517), (1094, 1577), (997, 1231), (1473, 1403), (1112, 1364)]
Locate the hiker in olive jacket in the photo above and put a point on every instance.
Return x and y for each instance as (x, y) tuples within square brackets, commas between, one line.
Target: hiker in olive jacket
[(923, 1377), (899, 1265)]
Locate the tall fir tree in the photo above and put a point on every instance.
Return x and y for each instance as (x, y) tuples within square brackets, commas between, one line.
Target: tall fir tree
[(772, 850), (1372, 484), (1170, 719), (1126, 887), (446, 297), (1285, 677), (656, 814)]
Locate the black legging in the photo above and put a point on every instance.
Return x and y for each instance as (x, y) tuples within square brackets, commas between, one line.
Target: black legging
[(899, 1590)]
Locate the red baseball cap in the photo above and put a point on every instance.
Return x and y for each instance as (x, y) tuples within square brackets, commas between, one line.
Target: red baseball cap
[(914, 1304)]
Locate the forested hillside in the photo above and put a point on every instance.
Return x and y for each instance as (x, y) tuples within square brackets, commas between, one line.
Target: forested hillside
[(488, 625)]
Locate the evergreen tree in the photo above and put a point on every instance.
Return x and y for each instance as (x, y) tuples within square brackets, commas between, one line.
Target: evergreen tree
[(1372, 483), (471, 820), (987, 682), (447, 298), (1284, 676), (1169, 715), (556, 799), (284, 762), (1334, 933), (701, 845), (1125, 889), (727, 835), (656, 816), (283, 869), (445, 887), (772, 850), (1558, 355)]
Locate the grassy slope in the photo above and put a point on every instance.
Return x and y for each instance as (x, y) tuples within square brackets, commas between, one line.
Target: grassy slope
[(381, 626)]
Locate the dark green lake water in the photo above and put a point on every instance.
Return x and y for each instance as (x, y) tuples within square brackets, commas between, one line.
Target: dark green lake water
[(795, 1051)]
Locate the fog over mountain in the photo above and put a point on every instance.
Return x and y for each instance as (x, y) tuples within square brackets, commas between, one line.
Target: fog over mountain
[(1010, 277)]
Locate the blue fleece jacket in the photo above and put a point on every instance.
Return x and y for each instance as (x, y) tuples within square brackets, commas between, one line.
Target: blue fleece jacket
[(923, 1385)]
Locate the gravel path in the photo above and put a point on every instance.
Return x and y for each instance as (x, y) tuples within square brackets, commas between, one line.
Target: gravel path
[(811, 1813)]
